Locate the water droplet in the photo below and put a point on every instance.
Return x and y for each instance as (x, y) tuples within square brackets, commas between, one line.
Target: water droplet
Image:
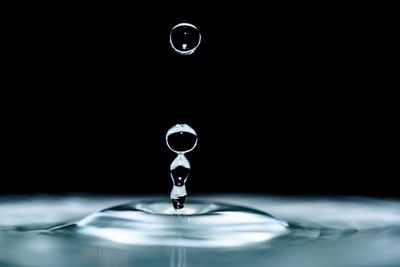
[(179, 170), (181, 139), (185, 38)]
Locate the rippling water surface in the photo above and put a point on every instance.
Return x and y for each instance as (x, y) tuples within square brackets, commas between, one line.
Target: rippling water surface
[(318, 231)]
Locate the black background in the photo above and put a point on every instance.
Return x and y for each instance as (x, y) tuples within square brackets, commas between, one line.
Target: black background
[(285, 100)]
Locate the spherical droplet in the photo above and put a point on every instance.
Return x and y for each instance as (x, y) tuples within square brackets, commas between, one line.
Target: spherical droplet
[(181, 138), (185, 38)]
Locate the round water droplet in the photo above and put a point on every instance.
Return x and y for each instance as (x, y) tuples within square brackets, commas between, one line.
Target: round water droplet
[(181, 138), (185, 38)]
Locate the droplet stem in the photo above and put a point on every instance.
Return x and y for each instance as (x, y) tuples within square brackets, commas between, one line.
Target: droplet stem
[(181, 139)]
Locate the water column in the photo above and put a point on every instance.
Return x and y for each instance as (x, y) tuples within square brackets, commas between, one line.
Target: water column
[(181, 139)]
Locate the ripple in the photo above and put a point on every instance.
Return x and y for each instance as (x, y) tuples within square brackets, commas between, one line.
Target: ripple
[(200, 224)]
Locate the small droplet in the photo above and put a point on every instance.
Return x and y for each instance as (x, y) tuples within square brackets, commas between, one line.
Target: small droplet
[(185, 38), (181, 138)]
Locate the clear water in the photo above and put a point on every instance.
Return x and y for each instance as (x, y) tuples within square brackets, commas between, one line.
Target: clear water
[(199, 224), (348, 231), (181, 139), (185, 38)]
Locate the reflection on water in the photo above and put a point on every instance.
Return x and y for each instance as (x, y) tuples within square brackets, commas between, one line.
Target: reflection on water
[(199, 224), (323, 232)]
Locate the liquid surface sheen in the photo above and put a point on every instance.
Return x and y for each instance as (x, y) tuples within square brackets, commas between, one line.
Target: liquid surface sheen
[(52, 231)]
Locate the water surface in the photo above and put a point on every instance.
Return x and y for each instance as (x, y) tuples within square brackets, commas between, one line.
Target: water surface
[(324, 231)]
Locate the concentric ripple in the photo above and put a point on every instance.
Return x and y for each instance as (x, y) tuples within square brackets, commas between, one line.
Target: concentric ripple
[(200, 224)]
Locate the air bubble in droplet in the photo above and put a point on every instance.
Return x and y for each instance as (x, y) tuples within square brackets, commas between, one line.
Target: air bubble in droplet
[(185, 38)]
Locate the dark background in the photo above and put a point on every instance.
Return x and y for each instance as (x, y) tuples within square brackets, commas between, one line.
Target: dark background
[(285, 100)]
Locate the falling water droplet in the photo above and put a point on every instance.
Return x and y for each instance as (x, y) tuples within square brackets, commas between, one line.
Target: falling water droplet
[(185, 38), (181, 139)]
